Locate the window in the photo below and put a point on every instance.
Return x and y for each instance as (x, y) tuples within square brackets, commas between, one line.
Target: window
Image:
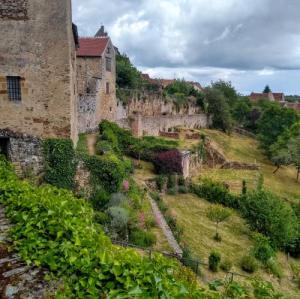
[(14, 88), (108, 50), (107, 87), (108, 64)]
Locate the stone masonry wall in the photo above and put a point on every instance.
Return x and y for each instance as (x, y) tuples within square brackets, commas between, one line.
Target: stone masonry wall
[(25, 152), (41, 51), (13, 9), (153, 125), (87, 121)]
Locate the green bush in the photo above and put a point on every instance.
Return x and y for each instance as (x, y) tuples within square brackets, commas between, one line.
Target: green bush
[(101, 218), (172, 191), (142, 238), (183, 189), (262, 249), (181, 181), (161, 181), (107, 171), (271, 216), (226, 265), (171, 183), (55, 230), (274, 267), (99, 198), (214, 261), (249, 264), (103, 147), (60, 162)]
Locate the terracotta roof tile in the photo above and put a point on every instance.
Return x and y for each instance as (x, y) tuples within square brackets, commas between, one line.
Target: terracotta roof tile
[(92, 46)]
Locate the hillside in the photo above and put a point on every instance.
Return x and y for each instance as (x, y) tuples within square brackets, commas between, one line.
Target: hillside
[(245, 149)]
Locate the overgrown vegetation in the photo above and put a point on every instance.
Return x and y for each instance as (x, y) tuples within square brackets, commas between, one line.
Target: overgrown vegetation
[(55, 230), (60, 162)]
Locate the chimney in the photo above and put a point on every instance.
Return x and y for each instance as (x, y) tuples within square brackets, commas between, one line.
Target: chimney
[(101, 32)]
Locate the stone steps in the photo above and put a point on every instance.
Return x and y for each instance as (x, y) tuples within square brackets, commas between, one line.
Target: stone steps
[(17, 280)]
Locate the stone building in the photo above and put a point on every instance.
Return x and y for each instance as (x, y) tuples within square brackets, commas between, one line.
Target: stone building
[(38, 92), (96, 77)]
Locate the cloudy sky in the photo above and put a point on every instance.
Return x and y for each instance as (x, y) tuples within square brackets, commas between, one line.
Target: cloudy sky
[(250, 42)]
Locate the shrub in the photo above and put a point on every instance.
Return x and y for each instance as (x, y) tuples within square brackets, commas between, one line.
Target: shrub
[(271, 216), (107, 171), (142, 238), (55, 230), (274, 268), (249, 264), (181, 181), (216, 193), (103, 147), (171, 183), (155, 196), (161, 181), (60, 162), (183, 189), (189, 261), (226, 265), (101, 217), (162, 206), (214, 261), (172, 191), (99, 197), (262, 249), (168, 162)]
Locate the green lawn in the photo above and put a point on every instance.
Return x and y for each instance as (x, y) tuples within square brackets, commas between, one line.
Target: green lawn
[(240, 148), (198, 232)]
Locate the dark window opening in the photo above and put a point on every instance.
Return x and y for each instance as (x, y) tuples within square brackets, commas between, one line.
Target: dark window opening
[(107, 87), (108, 64), (108, 50), (14, 88), (4, 143)]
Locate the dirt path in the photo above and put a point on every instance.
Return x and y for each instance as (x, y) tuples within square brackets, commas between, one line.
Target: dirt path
[(161, 221), (91, 143), (17, 280)]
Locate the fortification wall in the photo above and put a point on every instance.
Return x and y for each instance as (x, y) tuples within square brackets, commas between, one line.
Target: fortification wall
[(152, 125)]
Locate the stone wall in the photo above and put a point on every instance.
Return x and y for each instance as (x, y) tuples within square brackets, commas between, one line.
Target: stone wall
[(153, 125), (13, 9), (87, 121), (41, 51), (25, 152)]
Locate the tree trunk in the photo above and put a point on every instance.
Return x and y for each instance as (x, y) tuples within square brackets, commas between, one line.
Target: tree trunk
[(298, 174), (278, 166)]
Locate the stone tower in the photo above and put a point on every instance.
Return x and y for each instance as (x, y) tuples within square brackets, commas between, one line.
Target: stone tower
[(38, 90)]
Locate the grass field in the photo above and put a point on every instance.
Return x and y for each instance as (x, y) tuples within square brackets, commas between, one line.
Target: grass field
[(240, 148), (198, 232)]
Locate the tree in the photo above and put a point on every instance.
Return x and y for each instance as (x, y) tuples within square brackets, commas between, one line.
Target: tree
[(127, 74), (274, 121), (267, 89), (228, 91), (294, 151), (218, 214), (219, 109), (241, 110)]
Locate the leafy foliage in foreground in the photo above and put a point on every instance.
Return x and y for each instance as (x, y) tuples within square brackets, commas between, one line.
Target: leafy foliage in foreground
[(55, 230)]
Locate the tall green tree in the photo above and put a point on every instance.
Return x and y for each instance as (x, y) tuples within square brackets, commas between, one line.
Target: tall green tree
[(294, 151), (228, 91), (274, 121), (267, 89), (218, 107)]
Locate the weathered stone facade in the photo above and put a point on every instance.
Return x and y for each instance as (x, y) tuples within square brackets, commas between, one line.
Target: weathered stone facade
[(14, 9), (37, 49), (96, 82), (153, 125), (45, 61), (24, 151)]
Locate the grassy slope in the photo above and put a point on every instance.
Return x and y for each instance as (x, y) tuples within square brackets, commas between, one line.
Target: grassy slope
[(240, 148), (198, 232)]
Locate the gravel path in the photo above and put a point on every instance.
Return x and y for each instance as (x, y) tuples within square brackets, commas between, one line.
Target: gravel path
[(17, 280), (161, 221)]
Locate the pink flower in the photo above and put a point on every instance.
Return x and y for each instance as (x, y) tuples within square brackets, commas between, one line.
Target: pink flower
[(126, 185)]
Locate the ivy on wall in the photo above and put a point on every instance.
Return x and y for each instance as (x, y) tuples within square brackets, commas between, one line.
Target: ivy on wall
[(60, 162)]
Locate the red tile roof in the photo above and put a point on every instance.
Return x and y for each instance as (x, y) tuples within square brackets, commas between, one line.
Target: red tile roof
[(92, 46), (295, 106), (258, 96), (279, 96)]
